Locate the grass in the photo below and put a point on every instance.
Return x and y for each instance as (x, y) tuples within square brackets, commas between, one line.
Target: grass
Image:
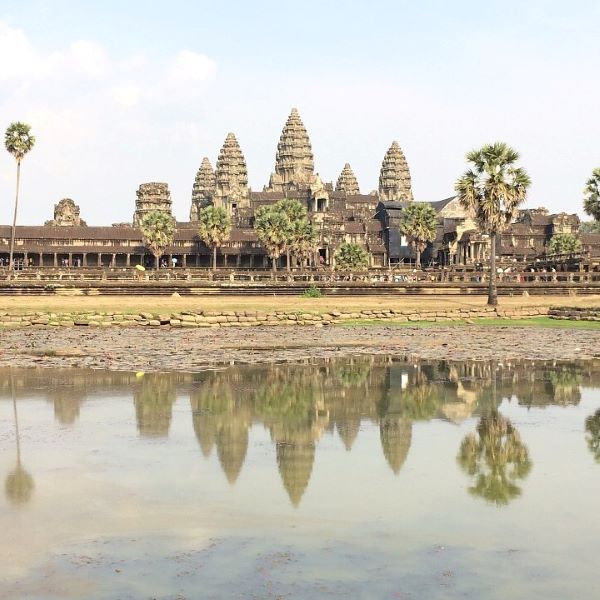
[(136, 304), (492, 322)]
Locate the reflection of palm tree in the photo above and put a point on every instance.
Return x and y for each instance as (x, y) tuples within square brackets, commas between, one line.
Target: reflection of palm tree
[(592, 427), (496, 458), (19, 483)]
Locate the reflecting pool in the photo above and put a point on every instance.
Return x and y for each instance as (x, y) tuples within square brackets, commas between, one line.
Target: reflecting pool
[(353, 478)]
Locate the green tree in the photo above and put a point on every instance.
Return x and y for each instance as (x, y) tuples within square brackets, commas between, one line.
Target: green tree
[(214, 229), (349, 257), (496, 458), (492, 189), (589, 227), (418, 223), (272, 227), (564, 243), (591, 202), (18, 142), (158, 231)]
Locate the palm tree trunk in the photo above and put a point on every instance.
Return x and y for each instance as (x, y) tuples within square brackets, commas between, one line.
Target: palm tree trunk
[(156, 259), (417, 258), (214, 259), (288, 258), (493, 290), (274, 263), (14, 224), (14, 399)]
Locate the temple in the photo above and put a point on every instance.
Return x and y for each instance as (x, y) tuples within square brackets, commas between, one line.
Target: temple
[(340, 213)]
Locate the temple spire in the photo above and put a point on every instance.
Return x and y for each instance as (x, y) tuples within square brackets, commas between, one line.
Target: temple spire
[(394, 178), (347, 181), (294, 162), (231, 185), (204, 186)]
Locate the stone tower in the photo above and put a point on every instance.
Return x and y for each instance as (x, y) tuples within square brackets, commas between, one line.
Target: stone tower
[(394, 178), (151, 197), (294, 162), (66, 213), (231, 177), (202, 191), (347, 181)]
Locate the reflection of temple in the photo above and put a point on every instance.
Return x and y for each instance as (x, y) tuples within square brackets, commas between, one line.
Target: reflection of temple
[(300, 403)]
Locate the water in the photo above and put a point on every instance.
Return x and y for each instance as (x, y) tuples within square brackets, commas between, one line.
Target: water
[(354, 478)]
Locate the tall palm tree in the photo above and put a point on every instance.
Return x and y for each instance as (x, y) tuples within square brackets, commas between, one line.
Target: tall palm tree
[(492, 189), (294, 211), (303, 239), (158, 231), (272, 227), (18, 141), (214, 229), (419, 224), (591, 203)]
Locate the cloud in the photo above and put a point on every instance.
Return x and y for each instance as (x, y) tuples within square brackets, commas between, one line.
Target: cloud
[(126, 96), (103, 124), (191, 66)]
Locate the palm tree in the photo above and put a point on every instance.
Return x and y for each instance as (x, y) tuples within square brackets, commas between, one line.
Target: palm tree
[(303, 239), (214, 228), (592, 428), (272, 227), (350, 256), (419, 224), (294, 212), (492, 189), (18, 141), (158, 231), (591, 203), (564, 243)]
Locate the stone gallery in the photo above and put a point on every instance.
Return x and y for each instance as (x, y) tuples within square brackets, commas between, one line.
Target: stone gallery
[(340, 213)]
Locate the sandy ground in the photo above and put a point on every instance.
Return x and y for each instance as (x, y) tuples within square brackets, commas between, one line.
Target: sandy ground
[(141, 349), (21, 304)]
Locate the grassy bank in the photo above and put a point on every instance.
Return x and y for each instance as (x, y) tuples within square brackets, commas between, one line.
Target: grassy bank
[(492, 322)]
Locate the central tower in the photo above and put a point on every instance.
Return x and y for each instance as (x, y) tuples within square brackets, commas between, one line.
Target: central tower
[(294, 162)]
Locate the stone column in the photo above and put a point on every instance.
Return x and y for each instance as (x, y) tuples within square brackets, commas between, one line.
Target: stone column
[(114, 260), (55, 260), (184, 261), (238, 260), (128, 259), (41, 263), (84, 260), (70, 259)]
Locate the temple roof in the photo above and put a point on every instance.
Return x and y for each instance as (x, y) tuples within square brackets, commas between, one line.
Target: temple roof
[(347, 181), (231, 171)]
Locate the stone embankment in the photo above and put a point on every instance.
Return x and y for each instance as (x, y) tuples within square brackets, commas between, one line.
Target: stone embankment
[(575, 313), (199, 318)]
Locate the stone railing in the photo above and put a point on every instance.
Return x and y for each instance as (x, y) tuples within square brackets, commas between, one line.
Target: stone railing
[(198, 319), (222, 275)]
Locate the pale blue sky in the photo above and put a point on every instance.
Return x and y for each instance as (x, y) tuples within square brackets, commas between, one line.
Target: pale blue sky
[(121, 95)]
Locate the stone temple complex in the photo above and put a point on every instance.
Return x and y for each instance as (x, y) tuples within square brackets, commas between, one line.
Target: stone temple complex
[(340, 213)]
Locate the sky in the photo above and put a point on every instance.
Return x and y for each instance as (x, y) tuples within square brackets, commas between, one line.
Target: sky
[(122, 93)]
